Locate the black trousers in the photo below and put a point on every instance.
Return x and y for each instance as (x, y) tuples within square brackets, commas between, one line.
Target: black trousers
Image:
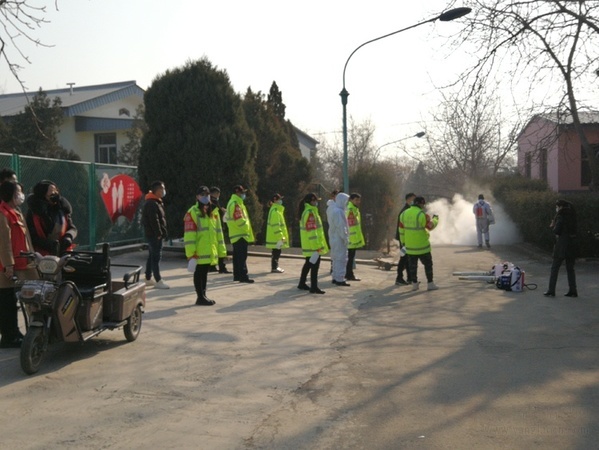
[(313, 270), (349, 269), (200, 280), (240, 256), (555, 266), (274, 260), (9, 322), (427, 262), (404, 264)]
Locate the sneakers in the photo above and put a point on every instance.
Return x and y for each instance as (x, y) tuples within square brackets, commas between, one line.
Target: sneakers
[(149, 282), (401, 282), (277, 270), (161, 285), (431, 286), (415, 286), (488, 245)]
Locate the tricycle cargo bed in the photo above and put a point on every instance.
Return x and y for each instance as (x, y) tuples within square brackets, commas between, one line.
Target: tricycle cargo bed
[(119, 304)]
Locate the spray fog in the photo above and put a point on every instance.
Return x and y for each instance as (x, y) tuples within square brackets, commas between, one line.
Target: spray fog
[(457, 225)]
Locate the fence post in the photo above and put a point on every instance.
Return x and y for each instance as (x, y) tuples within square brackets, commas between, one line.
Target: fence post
[(15, 162), (92, 206)]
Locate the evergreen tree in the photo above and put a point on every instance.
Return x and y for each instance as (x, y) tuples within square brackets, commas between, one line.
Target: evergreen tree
[(197, 135), (275, 101), (279, 164)]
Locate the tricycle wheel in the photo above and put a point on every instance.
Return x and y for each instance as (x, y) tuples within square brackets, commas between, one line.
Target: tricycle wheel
[(32, 350), (133, 326)]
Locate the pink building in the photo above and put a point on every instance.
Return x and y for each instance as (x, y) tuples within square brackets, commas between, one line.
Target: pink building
[(550, 150)]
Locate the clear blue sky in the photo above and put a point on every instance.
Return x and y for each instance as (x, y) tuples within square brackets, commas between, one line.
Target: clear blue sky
[(302, 46)]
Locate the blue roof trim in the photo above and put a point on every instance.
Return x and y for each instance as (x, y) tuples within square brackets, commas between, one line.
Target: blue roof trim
[(96, 102), (101, 124)]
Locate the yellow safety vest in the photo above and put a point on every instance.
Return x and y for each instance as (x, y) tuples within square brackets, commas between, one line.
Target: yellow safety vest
[(238, 220), (311, 232), (276, 228), (414, 227), (221, 247), (354, 222), (199, 237)]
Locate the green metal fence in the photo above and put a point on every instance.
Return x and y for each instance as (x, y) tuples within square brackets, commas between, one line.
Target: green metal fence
[(106, 198)]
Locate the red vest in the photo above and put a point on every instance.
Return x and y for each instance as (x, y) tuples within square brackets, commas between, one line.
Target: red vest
[(18, 237)]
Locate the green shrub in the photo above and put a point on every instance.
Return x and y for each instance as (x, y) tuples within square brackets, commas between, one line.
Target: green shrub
[(531, 205)]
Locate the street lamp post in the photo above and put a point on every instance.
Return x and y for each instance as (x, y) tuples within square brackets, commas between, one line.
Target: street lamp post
[(443, 17), (417, 135)]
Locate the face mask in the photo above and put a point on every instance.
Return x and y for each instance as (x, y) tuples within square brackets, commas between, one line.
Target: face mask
[(242, 196), (54, 198), (19, 198), (163, 193), (481, 202), (213, 199), (204, 200), (557, 209), (279, 202)]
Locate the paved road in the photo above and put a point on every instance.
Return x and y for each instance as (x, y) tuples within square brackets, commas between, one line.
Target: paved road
[(373, 366)]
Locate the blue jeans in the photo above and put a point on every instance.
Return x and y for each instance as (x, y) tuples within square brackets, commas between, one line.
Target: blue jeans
[(154, 257)]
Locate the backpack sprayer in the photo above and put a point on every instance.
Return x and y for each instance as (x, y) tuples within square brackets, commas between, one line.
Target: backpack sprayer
[(506, 276)]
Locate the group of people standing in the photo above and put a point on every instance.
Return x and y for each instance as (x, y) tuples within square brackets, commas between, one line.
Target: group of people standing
[(205, 244), (47, 229)]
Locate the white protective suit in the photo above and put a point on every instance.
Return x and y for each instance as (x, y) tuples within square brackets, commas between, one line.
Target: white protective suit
[(338, 235), (484, 217)]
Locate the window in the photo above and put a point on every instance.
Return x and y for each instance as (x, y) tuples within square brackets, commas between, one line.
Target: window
[(585, 170), (527, 164), (543, 164), (105, 146)]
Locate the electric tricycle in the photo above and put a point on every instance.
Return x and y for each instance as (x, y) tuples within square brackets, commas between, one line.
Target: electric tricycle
[(75, 299)]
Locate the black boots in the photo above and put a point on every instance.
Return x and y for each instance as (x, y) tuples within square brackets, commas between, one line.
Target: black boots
[(571, 293)]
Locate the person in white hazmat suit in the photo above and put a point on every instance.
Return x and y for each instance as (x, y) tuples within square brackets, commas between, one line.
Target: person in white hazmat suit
[(338, 237), (484, 217)]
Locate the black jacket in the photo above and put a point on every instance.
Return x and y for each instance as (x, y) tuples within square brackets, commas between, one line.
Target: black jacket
[(50, 225), (564, 228), (153, 218)]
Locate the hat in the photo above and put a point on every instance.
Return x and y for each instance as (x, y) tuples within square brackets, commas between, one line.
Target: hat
[(481, 197), (239, 188), (313, 197), (203, 190), (276, 197)]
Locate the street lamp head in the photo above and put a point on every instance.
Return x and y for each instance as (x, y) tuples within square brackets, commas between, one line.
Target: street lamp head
[(420, 134), (454, 13)]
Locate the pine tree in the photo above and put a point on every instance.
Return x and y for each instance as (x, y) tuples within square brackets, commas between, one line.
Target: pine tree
[(197, 135)]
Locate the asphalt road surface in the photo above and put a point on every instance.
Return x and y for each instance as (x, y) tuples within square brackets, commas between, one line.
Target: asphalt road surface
[(371, 366)]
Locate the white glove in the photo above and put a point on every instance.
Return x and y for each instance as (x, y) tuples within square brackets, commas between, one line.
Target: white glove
[(279, 244), (402, 251), (314, 257), (191, 265)]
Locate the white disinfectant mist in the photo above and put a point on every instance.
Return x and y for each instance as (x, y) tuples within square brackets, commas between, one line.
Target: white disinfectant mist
[(457, 225)]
